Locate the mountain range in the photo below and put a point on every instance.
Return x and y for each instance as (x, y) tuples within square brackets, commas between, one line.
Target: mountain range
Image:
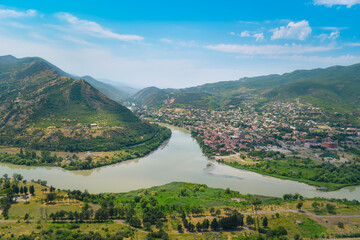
[(335, 88)]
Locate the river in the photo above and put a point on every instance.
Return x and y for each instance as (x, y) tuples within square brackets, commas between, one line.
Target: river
[(179, 159)]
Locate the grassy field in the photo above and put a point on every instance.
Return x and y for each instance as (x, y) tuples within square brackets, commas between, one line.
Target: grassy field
[(326, 177), (185, 196)]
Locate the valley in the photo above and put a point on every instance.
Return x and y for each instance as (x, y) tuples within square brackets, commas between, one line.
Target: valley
[(249, 157)]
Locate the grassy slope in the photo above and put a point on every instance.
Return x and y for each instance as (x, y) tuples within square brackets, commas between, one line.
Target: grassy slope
[(35, 97)]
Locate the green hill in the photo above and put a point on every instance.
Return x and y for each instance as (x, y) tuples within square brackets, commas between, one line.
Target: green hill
[(43, 109), (335, 88)]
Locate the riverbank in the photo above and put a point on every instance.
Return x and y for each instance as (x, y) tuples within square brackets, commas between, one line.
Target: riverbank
[(326, 187), (82, 160), (329, 177)]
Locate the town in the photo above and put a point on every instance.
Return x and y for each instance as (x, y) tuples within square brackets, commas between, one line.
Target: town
[(249, 137)]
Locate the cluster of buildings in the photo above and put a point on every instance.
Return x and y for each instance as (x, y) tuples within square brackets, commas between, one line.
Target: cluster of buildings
[(277, 125)]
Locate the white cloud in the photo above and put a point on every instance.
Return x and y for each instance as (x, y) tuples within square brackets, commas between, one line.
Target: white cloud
[(259, 36), (344, 59), (269, 49), (334, 28), (166, 40), (294, 30), (177, 42), (8, 13), (330, 3), (332, 36), (354, 44), (232, 33), (95, 29), (245, 34)]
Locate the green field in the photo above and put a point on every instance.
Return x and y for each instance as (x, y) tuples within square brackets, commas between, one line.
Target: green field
[(157, 213)]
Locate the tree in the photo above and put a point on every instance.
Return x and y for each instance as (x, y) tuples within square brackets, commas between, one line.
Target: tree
[(330, 208), (265, 222), (180, 228), (32, 190), (340, 224), (17, 177), (15, 189), (25, 190), (315, 204), (214, 224), (249, 220), (212, 211), (101, 214), (135, 222), (299, 205), (218, 212), (199, 227), (191, 227), (50, 197), (186, 223), (205, 224), (183, 215), (5, 204)]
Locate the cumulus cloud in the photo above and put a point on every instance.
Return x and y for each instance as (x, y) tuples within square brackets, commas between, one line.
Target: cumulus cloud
[(294, 30), (269, 49), (95, 29), (330, 3), (8, 13)]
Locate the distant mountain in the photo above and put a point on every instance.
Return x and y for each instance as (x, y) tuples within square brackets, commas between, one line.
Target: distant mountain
[(121, 86), (182, 98), (150, 96), (41, 107), (114, 92), (335, 88)]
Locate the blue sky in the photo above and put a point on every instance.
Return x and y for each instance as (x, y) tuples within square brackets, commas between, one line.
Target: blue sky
[(182, 43)]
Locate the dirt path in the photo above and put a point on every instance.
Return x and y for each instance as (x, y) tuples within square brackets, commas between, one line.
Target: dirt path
[(304, 212)]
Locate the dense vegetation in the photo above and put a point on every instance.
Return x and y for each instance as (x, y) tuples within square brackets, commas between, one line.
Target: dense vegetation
[(42, 108), (305, 170), (30, 158)]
